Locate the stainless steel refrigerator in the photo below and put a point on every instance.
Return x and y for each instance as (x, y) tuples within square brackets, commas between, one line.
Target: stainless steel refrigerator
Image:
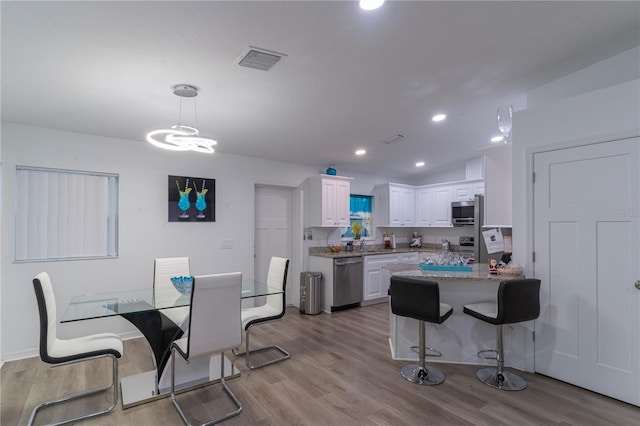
[(480, 248)]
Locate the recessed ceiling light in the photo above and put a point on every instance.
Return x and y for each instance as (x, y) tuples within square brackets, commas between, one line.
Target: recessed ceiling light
[(420, 164), (370, 4), (438, 117), (497, 139), (361, 152)]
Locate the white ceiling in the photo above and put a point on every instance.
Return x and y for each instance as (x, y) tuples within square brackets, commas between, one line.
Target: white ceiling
[(351, 79)]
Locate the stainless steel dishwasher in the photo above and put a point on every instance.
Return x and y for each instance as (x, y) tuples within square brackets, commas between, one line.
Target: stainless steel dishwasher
[(347, 283)]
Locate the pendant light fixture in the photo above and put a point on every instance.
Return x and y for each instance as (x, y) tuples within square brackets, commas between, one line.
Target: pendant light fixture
[(180, 137), (505, 121)]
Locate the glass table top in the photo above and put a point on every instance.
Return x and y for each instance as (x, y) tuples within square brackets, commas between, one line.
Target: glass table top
[(88, 306)]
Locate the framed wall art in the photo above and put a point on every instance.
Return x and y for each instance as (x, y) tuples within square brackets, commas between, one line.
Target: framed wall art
[(191, 199)]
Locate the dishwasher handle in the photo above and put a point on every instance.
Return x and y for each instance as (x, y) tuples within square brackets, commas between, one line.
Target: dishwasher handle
[(349, 261)]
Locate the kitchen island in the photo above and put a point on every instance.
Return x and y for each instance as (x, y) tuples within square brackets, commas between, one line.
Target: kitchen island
[(461, 336)]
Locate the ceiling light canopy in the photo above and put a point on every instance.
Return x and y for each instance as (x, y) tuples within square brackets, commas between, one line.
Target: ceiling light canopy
[(180, 137), (438, 117), (420, 164), (361, 152), (370, 4)]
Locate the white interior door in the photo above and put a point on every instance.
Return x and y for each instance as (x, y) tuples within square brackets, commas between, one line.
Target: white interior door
[(586, 221), (272, 229)]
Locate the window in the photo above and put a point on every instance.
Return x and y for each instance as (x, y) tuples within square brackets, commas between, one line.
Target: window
[(361, 208), (65, 214)]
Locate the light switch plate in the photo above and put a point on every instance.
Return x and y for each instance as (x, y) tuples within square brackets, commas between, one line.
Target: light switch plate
[(226, 244)]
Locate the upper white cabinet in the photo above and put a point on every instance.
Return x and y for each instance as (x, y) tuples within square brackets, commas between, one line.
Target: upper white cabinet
[(423, 206), (465, 191), (478, 187), (329, 200), (400, 205), (441, 197), (395, 204), (475, 168)]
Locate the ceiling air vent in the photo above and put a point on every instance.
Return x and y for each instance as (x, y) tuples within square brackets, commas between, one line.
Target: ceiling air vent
[(260, 59), (394, 139)]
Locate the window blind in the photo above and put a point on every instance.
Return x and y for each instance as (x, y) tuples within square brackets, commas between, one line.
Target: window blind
[(65, 214)]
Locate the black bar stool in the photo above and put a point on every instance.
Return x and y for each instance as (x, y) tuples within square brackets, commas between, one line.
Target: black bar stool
[(419, 299), (518, 301)]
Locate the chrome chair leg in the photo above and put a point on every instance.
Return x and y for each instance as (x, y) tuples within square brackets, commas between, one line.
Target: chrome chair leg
[(497, 377), (226, 388), (113, 384), (247, 352), (420, 374)]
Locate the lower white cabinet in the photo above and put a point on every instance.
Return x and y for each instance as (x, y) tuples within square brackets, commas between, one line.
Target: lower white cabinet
[(376, 275)]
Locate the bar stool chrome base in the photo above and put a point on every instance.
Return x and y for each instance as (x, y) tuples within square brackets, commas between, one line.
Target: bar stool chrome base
[(503, 381), (419, 375)]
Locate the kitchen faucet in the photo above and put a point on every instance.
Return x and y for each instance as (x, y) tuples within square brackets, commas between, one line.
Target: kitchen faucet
[(362, 245)]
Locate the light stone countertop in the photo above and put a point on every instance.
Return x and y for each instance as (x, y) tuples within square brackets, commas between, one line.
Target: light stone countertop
[(479, 272), (375, 249)]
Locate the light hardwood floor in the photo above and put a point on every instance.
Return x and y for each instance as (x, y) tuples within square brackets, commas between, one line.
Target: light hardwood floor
[(340, 373)]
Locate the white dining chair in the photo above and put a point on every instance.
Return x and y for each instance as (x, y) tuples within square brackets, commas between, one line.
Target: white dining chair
[(273, 309), (58, 352), (214, 327), (163, 290)]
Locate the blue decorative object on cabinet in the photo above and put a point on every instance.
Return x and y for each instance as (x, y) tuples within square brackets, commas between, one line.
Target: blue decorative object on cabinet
[(331, 171)]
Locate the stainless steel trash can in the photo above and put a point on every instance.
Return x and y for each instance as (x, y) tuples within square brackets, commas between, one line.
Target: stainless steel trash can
[(310, 292)]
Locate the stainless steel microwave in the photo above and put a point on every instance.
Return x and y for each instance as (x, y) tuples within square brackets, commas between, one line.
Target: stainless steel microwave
[(463, 213)]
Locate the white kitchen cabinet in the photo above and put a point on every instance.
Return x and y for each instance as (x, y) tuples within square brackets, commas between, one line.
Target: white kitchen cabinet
[(329, 201), (462, 192), (411, 258), (475, 168), (376, 277), (441, 211), (395, 205), (465, 191), (376, 274), (478, 187), (424, 205)]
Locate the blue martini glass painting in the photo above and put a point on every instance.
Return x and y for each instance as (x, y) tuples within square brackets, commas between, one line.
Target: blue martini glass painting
[(193, 201), (201, 202), (183, 203)]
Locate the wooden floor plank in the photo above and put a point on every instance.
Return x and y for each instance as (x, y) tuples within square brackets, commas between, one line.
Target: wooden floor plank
[(340, 373)]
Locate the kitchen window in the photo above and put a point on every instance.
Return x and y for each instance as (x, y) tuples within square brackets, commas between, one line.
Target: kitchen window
[(360, 210)]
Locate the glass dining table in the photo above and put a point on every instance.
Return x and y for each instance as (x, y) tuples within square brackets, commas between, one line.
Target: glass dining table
[(144, 309)]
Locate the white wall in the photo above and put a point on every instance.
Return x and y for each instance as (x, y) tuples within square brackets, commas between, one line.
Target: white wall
[(497, 185), (601, 115), (144, 233), (618, 69)]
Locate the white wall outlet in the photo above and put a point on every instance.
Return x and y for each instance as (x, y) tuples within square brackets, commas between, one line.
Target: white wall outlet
[(226, 244)]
